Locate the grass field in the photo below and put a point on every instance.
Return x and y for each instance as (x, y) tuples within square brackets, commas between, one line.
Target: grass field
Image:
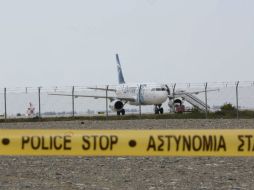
[(228, 114)]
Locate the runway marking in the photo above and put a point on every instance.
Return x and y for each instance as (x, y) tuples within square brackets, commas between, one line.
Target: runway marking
[(193, 142)]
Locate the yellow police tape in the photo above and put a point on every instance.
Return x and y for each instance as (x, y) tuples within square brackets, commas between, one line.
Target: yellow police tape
[(229, 142)]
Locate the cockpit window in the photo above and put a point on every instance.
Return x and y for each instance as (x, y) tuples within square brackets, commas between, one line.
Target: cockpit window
[(158, 89)]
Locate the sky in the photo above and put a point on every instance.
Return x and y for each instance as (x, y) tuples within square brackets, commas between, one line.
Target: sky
[(63, 42)]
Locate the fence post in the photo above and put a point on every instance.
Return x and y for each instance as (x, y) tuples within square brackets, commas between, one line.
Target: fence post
[(237, 105), (174, 87), (139, 97), (107, 101), (206, 109), (5, 104), (73, 103), (39, 97)]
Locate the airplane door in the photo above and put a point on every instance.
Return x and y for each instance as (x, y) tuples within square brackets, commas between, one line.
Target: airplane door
[(141, 94)]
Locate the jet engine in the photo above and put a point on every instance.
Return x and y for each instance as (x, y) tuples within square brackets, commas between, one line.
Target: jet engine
[(178, 101), (116, 105), (178, 104)]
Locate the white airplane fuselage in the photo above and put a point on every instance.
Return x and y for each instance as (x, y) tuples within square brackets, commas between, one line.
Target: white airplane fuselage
[(146, 95)]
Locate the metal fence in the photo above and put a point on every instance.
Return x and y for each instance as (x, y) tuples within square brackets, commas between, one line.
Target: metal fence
[(37, 101)]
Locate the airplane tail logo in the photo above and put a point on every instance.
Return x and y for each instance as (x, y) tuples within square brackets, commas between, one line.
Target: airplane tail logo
[(119, 70)]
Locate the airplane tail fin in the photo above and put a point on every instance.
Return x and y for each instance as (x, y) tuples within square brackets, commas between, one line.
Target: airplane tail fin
[(119, 70)]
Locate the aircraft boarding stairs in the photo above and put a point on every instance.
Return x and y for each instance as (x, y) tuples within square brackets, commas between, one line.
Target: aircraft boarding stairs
[(190, 98)]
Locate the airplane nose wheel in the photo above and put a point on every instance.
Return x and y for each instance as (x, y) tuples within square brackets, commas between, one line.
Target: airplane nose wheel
[(158, 109)]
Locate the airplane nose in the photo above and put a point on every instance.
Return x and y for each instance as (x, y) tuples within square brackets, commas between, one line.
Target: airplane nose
[(165, 95)]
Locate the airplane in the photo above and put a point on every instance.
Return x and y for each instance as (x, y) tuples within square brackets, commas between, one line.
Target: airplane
[(136, 94)]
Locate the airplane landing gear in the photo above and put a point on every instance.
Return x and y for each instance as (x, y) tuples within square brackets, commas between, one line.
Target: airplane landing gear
[(158, 109), (121, 112)]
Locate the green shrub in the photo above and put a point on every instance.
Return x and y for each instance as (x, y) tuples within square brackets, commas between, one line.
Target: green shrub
[(227, 107)]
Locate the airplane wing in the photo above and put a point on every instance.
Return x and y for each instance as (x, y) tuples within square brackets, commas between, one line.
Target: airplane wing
[(103, 89), (96, 97)]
